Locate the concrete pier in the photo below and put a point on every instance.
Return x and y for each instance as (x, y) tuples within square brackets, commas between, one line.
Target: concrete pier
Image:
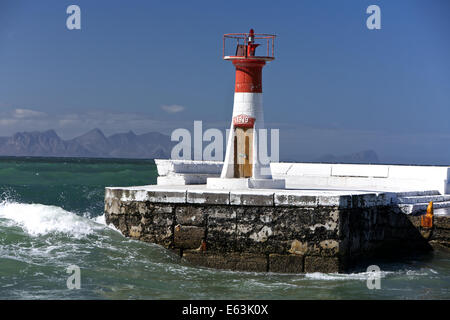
[(289, 231)]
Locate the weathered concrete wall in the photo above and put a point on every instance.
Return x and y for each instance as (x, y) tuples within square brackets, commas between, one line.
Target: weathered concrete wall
[(276, 232)]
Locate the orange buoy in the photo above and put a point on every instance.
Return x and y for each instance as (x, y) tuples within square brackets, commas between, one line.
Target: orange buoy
[(427, 219)]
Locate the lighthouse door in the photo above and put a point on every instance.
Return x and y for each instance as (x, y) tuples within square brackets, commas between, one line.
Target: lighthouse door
[(243, 152)]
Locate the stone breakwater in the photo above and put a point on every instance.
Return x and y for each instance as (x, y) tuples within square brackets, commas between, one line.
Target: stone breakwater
[(288, 231)]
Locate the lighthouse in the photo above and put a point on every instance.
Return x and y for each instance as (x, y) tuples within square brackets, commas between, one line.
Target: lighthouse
[(243, 165)]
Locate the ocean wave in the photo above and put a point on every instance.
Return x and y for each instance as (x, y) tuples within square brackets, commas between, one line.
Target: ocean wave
[(39, 219), (344, 276)]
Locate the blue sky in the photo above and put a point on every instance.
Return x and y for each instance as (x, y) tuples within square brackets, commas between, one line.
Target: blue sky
[(335, 86)]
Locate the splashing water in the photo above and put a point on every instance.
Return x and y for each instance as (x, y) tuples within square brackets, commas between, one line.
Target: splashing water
[(38, 219)]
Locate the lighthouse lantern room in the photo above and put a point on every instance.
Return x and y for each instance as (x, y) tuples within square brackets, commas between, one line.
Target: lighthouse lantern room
[(242, 165)]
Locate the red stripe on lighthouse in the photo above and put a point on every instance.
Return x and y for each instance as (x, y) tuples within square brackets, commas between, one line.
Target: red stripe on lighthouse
[(248, 75), (243, 121)]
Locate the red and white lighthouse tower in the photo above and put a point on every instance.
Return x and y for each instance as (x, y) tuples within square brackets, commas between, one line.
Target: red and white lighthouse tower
[(243, 166)]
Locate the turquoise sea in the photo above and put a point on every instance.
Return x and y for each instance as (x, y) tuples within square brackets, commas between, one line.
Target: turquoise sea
[(51, 217)]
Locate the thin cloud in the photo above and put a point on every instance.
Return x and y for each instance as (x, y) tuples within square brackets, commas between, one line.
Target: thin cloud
[(173, 108), (27, 114)]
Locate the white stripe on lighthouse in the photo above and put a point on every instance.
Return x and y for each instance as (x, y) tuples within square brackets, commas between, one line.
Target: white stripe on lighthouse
[(248, 103)]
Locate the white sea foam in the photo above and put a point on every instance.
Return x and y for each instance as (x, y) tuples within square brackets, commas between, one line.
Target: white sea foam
[(39, 219), (343, 276), (102, 220)]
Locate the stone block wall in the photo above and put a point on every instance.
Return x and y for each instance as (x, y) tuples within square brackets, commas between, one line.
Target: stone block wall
[(274, 232)]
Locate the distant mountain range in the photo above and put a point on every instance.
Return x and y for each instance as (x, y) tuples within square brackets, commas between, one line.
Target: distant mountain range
[(93, 144)]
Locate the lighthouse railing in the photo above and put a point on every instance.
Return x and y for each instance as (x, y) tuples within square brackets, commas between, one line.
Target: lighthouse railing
[(262, 39)]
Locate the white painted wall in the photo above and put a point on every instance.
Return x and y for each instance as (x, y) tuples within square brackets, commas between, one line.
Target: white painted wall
[(372, 177), (335, 176), (169, 167)]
